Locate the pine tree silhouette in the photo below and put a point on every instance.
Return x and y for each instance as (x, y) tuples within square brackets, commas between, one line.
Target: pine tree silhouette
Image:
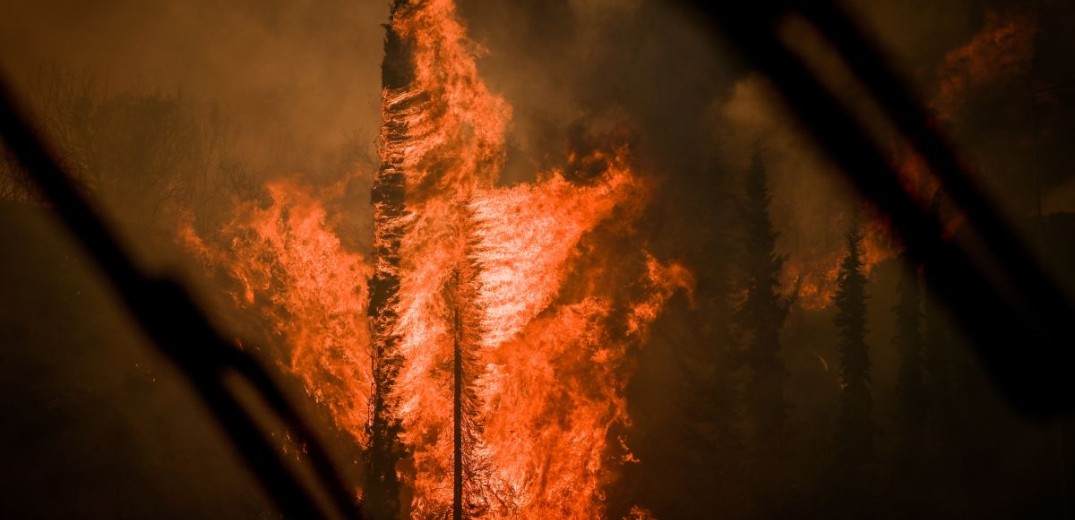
[(762, 314), (855, 450)]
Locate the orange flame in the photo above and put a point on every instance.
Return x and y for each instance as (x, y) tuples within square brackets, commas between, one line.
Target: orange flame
[(556, 310), (813, 272), (292, 269)]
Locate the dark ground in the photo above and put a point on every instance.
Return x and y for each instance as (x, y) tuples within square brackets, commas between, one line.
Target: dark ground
[(94, 423)]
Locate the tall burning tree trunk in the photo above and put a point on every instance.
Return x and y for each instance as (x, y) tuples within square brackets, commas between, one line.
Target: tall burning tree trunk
[(466, 427), (382, 490), (457, 418)]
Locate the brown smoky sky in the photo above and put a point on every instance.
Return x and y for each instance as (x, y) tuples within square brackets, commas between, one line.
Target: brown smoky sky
[(298, 84)]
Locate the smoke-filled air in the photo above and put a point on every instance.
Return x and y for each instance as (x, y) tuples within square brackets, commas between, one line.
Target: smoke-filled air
[(572, 259)]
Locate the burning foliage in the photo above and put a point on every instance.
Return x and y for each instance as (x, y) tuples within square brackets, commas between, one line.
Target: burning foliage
[(501, 320)]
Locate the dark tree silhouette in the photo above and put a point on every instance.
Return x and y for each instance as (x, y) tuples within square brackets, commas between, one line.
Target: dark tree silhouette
[(855, 450), (762, 315), (709, 441), (684, 398)]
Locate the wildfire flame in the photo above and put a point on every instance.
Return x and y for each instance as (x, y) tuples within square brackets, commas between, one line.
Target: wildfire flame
[(529, 282)]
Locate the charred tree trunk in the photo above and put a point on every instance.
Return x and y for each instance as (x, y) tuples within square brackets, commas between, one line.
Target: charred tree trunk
[(382, 489), (457, 412), (467, 498)]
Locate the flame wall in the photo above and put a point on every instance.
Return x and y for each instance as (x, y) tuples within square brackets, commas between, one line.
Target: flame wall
[(552, 308)]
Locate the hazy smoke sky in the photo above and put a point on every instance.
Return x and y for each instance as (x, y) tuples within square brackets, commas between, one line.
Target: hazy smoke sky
[(298, 82)]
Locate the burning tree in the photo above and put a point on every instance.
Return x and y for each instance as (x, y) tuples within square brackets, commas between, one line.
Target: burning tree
[(501, 320), (440, 142), (469, 469), (385, 450)]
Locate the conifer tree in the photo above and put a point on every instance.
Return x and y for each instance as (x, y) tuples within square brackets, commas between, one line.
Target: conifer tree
[(762, 315), (855, 450), (468, 466), (693, 449), (381, 493)]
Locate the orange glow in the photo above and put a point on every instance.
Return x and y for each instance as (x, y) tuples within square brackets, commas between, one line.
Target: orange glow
[(1003, 48), (552, 311), (291, 268), (813, 272)]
